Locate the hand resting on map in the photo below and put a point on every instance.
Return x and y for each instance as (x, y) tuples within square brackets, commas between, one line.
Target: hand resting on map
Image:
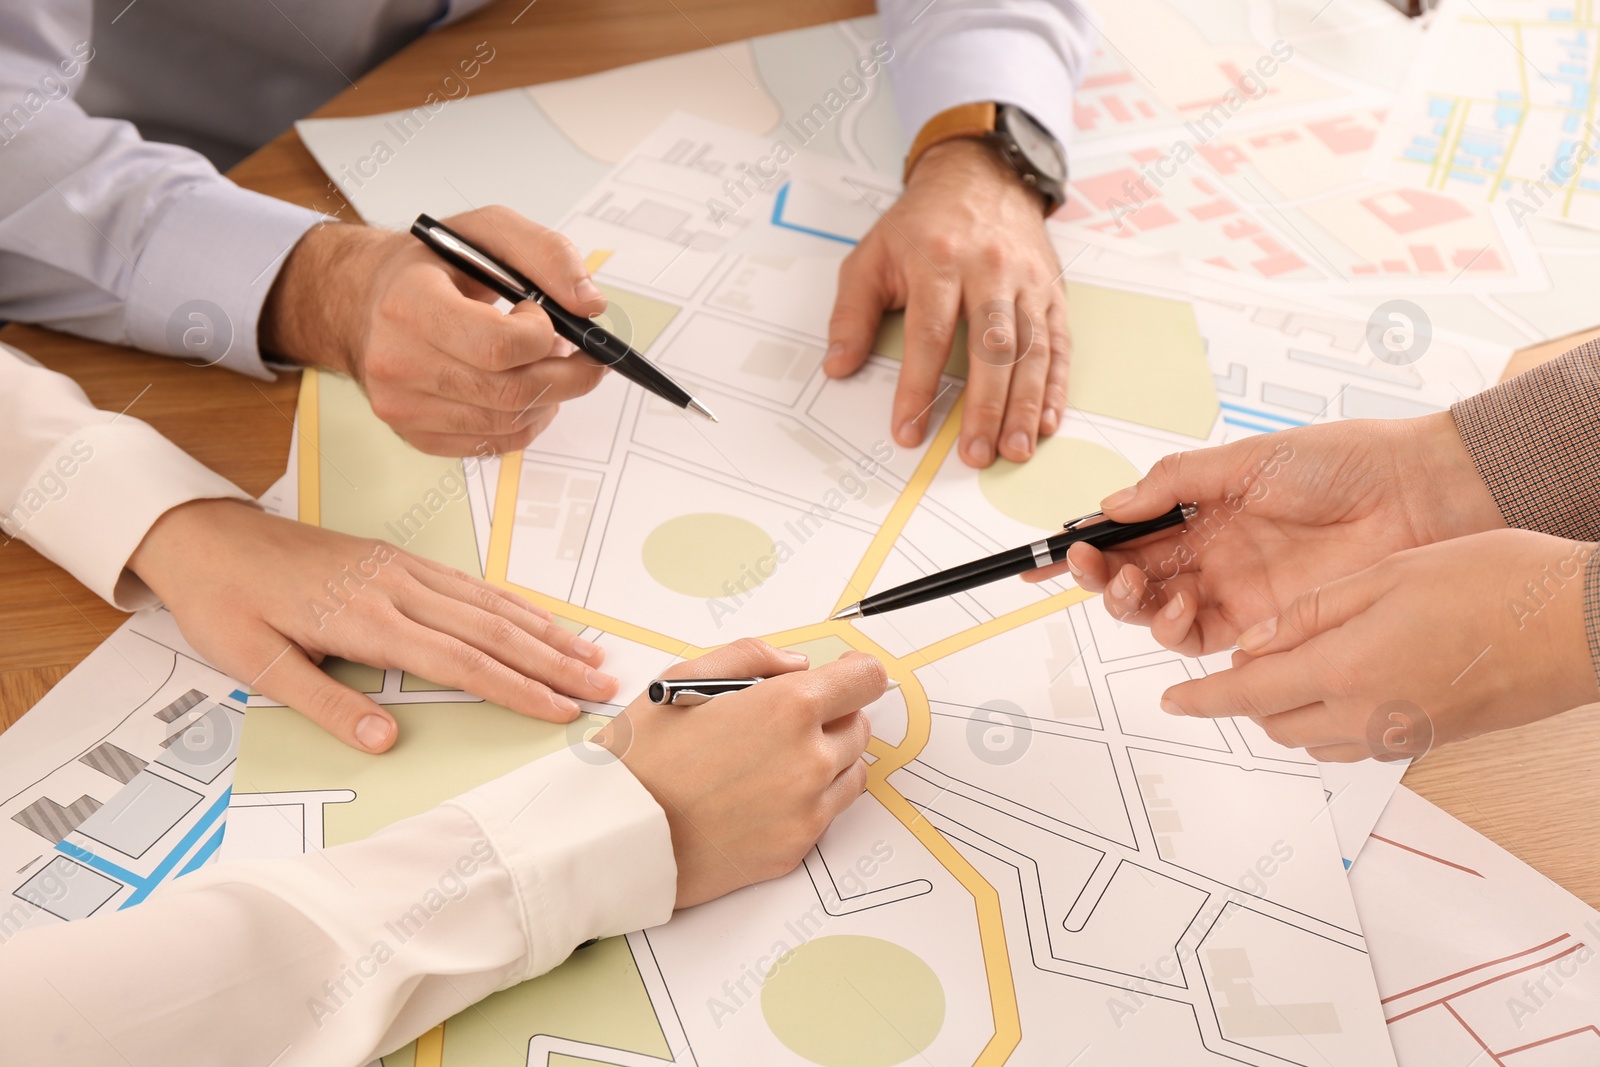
[(266, 599), (966, 239)]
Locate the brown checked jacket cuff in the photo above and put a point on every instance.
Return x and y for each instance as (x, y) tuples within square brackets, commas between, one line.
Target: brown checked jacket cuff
[(1536, 442), (1591, 611)]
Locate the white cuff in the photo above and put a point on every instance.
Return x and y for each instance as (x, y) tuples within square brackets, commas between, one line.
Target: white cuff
[(587, 845), (958, 68), (204, 275), (120, 476)]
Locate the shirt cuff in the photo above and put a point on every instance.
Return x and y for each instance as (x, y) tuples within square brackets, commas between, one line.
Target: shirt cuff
[(960, 68), (590, 852), (121, 476), (205, 273)]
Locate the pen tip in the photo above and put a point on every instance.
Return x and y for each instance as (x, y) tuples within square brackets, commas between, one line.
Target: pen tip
[(696, 406), (845, 613)]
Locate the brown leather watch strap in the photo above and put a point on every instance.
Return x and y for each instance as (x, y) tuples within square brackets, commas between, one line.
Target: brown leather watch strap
[(964, 120)]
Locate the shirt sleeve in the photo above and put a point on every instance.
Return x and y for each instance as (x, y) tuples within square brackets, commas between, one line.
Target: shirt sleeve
[(112, 237), (1030, 53), (1536, 442), (340, 956), (83, 486)]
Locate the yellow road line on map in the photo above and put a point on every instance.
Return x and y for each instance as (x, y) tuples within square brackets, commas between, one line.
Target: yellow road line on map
[(895, 522), (991, 925), (430, 1047), (310, 472), (999, 625)]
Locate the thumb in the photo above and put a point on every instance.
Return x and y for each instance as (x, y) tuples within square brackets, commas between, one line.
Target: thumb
[(545, 256), (352, 717), (857, 310), (1313, 612), (745, 658)]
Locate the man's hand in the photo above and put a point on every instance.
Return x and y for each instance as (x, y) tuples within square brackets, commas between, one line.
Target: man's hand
[(966, 239), (1279, 514), (749, 781), (266, 599), (1369, 665), (439, 362)]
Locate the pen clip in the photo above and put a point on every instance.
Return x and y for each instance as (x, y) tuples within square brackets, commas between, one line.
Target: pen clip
[(1074, 524)]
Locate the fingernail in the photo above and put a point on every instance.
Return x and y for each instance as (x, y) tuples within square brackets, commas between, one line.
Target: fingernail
[(565, 703), (1049, 422), (980, 452), (586, 649), (1119, 498), (374, 732), (1171, 707), (835, 350), (908, 434), (1259, 634), (599, 679), (1121, 587), (588, 290), (1073, 568), (1175, 608), (799, 659), (1021, 444)]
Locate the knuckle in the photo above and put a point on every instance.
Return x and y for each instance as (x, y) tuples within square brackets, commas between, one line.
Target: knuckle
[(326, 705), (942, 248), (995, 257), (1026, 409), (469, 661)]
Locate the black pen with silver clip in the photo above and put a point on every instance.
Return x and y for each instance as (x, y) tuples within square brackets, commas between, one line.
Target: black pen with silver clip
[(596, 342), (1102, 534), (687, 692)]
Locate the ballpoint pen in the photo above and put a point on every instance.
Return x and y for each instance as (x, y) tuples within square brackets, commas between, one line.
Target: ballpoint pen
[(592, 339), (1053, 549), (687, 692)]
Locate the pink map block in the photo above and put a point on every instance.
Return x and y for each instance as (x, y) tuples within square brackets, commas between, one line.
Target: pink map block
[(1224, 159), (1084, 118), (1342, 135), (1409, 210), (1212, 209), (1427, 258), (1477, 260)]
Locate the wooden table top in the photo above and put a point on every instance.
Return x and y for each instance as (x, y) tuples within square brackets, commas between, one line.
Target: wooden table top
[(1531, 790)]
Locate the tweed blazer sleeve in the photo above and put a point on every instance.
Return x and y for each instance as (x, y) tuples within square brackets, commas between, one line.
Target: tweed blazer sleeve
[(1536, 441)]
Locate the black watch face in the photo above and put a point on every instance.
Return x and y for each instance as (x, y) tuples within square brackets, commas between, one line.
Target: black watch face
[(1036, 146)]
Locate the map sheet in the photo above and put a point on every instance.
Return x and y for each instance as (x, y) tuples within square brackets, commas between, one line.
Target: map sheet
[(1500, 109)]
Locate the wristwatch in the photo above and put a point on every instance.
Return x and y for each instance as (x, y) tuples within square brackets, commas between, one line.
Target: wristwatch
[(1027, 146)]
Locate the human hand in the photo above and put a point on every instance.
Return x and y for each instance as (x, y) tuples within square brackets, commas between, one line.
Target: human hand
[(1431, 645), (749, 781), (1279, 514), (966, 238), (266, 599), (439, 362)]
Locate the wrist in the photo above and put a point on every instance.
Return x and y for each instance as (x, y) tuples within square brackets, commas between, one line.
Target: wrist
[(167, 550), (316, 312), (1446, 494), (974, 164)]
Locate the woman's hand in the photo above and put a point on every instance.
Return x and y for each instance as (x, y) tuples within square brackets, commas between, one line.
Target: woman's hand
[(1280, 514), (1431, 645), (749, 781), (265, 599)]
